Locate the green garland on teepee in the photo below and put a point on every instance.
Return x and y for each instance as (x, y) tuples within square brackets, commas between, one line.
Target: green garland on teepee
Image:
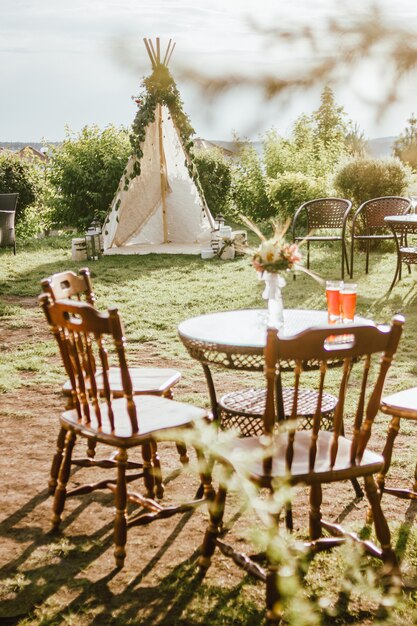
[(158, 88)]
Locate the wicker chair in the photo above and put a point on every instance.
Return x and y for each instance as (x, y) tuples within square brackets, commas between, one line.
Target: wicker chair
[(371, 215), (323, 214), (8, 203), (404, 233), (310, 457)]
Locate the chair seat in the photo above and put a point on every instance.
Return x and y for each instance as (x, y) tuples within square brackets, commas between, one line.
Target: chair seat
[(155, 414), (237, 406), (401, 404), (246, 456), (145, 380)]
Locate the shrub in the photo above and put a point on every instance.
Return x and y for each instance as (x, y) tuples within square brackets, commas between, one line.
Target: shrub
[(85, 171), (22, 177), (405, 147), (364, 179), (248, 188), (214, 172), (291, 190)]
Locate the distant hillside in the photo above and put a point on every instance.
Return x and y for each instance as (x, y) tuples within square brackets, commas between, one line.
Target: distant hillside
[(381, 147), (18, 145)]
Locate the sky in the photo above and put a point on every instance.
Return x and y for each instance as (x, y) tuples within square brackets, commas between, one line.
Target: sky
[(71, 63)]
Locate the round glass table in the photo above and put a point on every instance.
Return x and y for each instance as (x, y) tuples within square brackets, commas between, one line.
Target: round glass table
[(236, 339)]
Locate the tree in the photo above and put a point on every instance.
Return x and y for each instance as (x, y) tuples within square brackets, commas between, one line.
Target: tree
[(22, 177), (329, 127), (84, 172), (363, 179), (356, 142), (214, 173), (405, 147)]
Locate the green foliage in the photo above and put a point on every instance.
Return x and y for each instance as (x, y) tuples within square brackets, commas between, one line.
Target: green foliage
[(214, 172), (24, 178), (287, 192), (330, 127), (356, 142), (405, 147), (249, 186), (362, 179), (159, 88), (84, 172)]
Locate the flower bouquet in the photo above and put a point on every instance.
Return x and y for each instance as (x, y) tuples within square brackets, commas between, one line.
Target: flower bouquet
[(271, 259)]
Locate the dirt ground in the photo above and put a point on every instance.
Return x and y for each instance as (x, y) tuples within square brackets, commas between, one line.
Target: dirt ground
[(46, 576)]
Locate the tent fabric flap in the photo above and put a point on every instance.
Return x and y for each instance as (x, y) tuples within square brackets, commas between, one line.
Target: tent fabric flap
[(136, 215)]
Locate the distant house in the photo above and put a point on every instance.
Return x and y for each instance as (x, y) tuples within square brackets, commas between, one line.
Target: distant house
[(5, 151), (228, 149), (28, 153)]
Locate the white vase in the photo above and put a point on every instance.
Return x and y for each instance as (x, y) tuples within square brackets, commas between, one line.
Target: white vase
[(272, 293)]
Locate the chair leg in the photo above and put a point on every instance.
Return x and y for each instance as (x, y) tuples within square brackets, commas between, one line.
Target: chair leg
[(181, 447), (56, 461), (148, 474), (273, 596), (120, 522), (397, 273), (216, 511), (308, 255), (391, 567), (182, 451), (63, 476), (368, 245), (316, 498), (91, 448), (157, 472), (351, 257), (205, 468), (415, 479), (392, 433)]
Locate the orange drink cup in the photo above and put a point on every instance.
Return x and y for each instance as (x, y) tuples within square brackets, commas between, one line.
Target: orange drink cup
[(333, 288), (348, 302)]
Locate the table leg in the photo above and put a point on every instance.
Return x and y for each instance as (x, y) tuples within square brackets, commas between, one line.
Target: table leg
[(398, 268), (212, 393)]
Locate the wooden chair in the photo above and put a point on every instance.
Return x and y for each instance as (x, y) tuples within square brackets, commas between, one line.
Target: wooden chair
[(401, 405), (325, 214), (8, 203), (121, 423), (313, 457), (368, 222), (145, 380)]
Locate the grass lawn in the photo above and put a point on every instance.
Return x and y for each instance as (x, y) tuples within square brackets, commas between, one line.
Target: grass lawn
[(69, 578)]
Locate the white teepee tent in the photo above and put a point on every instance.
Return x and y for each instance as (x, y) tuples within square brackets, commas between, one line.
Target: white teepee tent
[(157, 201)]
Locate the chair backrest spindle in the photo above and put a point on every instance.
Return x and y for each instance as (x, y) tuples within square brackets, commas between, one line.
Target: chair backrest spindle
[(81, 331), (330, 345)]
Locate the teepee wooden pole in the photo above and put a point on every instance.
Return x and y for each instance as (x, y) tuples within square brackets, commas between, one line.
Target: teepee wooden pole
[(167, 52), (153, 51), (170, 54), (149, 51), (163, 174), (158, 50)]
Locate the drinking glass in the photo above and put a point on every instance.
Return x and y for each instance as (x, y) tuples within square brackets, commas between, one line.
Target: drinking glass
[(348, 302), (333, 288)]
